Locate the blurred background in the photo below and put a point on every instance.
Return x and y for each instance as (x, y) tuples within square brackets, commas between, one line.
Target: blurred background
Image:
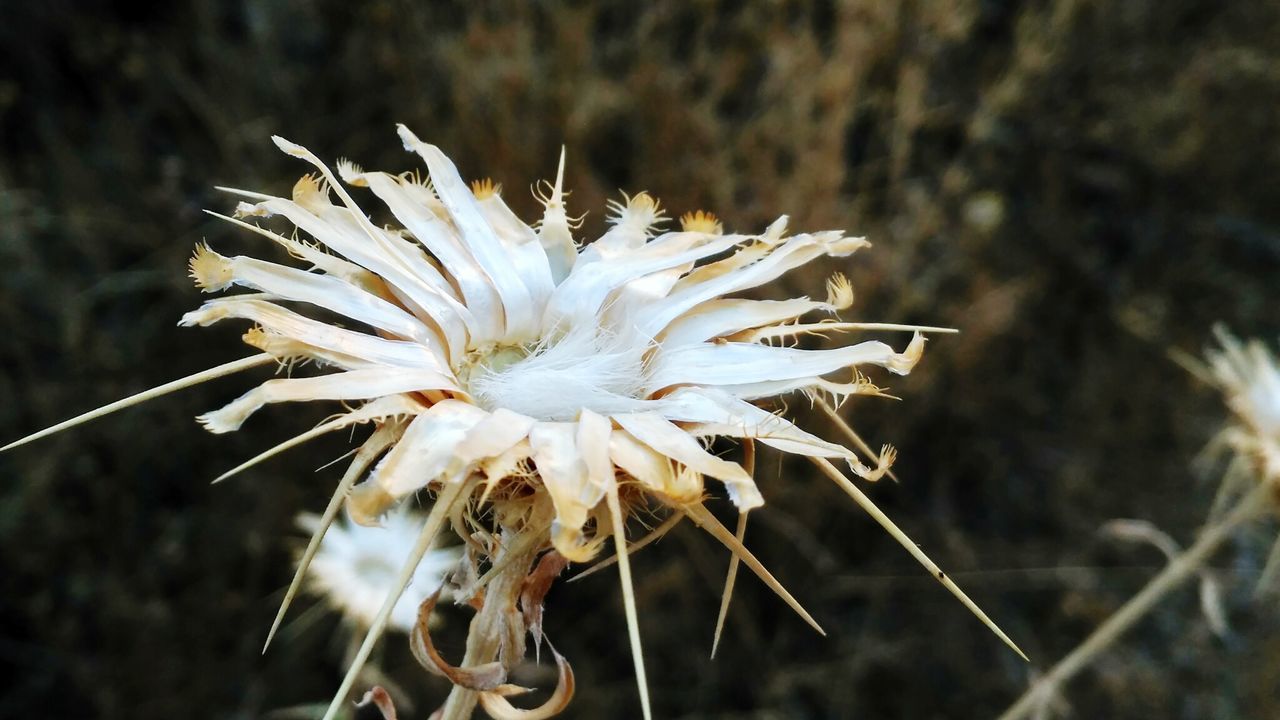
[(1080, 187)]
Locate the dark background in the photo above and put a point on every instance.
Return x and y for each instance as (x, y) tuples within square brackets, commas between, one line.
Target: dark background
[(1081, 187)]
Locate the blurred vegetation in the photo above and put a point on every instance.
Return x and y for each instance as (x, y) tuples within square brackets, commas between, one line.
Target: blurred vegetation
[(1079, 186)]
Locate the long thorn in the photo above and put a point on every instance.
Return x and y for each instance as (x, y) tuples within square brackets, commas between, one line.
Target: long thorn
[(748, 464), (364, 457), (897, 534), (850, 433), (729, 580), (672, 520), (628, 596), (155, 392), (435, 520), (703, 517), (383, 407)]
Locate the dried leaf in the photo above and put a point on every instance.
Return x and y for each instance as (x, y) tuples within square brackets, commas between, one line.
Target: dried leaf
[(481, 677), (535, 588), (499, 708), (381, 699)]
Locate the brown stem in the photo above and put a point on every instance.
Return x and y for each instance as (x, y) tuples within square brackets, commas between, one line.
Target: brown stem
[(493, 623)]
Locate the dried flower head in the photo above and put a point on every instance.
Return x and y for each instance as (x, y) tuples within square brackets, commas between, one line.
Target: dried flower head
[(542, 392)]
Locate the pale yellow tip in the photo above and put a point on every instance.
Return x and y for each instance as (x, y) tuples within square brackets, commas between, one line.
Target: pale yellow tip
[(839, 292), (701, 221), (485, 188), (211, 271)]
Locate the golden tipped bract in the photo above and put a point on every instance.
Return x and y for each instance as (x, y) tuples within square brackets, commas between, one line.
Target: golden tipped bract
[(701, 221)]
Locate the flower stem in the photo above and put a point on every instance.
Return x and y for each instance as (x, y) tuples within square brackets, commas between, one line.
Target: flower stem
[(492, 624), (1174, 574)]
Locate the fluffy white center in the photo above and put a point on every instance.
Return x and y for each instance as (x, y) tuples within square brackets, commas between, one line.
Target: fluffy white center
[(586, 368)]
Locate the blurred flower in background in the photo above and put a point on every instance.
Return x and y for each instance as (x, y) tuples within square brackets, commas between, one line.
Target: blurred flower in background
[(356, 567)]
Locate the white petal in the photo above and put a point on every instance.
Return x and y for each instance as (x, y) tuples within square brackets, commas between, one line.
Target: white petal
[(491, 437), (526, 253), (425, 452), (274, 319), (653, 469), (405, 267), (436, 234), (740, 363), (352, 385), (594, 431), (658, 433), (563, 473), (323, 291), (582, 294), (319, 259), (757, 265), (716, 318), (718, 413), (478, 236), (555, 235)]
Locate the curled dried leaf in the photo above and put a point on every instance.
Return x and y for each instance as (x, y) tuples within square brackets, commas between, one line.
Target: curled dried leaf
[(381, 699), (499, 708), (481, 677)]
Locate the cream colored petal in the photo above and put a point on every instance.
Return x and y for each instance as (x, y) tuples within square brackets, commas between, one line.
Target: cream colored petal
[(216, 272), (653, 469), (758, 265), (716, 318), (491, 437), (404, 267), (281, 321), (718, 413), (594, 431), (352, 385), (661, 435), (319, 259), (564, 474), (581, 296), (479, 238), (439, 237), (555, 234), (741, 363), (527, 254), (426, 451)]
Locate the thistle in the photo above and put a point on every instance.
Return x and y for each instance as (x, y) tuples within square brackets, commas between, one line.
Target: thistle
[(541, 392)]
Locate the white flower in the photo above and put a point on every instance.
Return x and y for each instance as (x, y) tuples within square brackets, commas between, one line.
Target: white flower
[(356, 567), (549, 387), (506, 347), (1249, 376)]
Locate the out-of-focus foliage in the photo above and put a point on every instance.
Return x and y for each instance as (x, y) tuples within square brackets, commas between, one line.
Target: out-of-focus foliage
[(1078, 186)]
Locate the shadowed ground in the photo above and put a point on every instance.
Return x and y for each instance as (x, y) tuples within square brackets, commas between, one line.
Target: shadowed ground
[(1079, 186)]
